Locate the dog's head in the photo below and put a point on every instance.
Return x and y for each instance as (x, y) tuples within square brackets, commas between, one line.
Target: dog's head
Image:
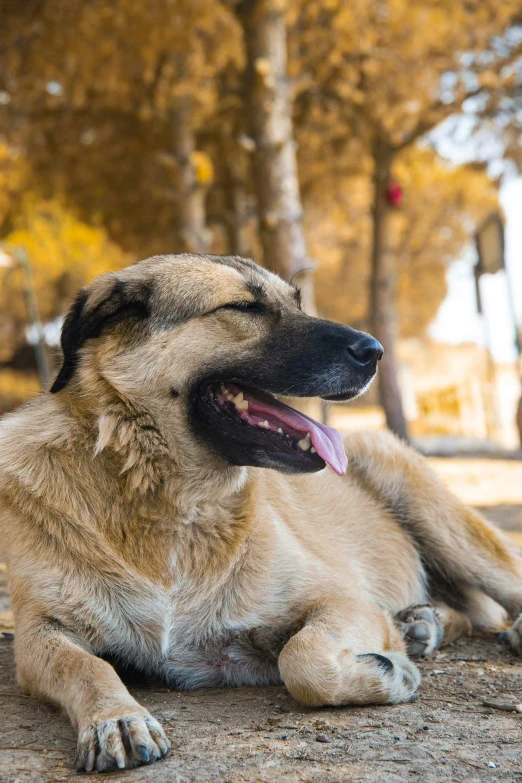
[(204, 343)]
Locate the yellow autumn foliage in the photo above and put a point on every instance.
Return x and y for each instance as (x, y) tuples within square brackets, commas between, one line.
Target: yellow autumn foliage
[(203, 167), (64, 254)]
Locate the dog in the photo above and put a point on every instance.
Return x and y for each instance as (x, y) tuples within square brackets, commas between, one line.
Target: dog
[(163, 507)]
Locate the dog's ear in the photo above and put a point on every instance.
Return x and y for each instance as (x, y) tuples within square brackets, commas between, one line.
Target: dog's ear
[(107, 302)]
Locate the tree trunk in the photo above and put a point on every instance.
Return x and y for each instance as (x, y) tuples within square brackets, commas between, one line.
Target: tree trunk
[(236, 197), (270, 120), (383, 315), (236, 219), (192, 235)]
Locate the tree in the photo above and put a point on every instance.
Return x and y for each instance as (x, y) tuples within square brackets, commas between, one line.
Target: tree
[(270, 121), (387, 74), (107, 99), (442, 206)]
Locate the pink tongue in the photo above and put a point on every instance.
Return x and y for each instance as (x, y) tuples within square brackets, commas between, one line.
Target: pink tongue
[(326, 441)]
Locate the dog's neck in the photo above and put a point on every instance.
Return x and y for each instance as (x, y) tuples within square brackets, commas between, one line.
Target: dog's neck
[(167, 515), (201, 495), (154, 472)]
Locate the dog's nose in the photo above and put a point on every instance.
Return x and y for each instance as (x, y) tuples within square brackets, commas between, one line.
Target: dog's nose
[(366, 350)]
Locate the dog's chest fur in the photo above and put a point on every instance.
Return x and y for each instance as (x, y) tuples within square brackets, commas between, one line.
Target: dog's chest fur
[(195, 648), (189, 633)]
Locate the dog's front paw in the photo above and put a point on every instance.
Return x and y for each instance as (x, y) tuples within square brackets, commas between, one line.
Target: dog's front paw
[(421, 629), (513, 637), (398, 677), (121, 743)]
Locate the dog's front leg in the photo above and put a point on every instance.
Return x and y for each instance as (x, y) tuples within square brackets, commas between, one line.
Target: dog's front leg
[(114, 731), (348, 652)]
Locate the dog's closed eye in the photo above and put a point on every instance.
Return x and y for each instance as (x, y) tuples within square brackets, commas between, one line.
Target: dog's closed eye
[(254, 308)]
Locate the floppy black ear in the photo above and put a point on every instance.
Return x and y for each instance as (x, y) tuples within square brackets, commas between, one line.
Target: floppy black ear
[(122, 302)]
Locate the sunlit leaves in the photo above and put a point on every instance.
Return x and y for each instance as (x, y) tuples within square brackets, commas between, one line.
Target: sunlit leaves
[(64, 254)]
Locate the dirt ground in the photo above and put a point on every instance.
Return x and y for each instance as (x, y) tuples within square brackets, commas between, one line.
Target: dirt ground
[(260, 735)]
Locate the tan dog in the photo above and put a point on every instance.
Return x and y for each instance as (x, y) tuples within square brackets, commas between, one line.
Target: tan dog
[(140, 520)]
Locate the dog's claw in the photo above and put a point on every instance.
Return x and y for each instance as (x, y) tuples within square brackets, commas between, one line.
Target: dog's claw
[(399, 676), (108, 745), (162, 745), (144, 753)]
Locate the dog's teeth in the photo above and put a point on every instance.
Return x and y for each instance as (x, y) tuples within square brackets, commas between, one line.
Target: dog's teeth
[(280, 431), (243, 405), (238, 398), (230, 397), (312, 450), (264, 424), (305, 444)]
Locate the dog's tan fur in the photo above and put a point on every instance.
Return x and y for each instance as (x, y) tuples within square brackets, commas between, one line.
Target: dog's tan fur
[(126, 537)]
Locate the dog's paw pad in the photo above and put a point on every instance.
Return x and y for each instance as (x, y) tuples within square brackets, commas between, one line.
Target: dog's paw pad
[(421, 629), (399, 676), (121, 743), (513, 637)]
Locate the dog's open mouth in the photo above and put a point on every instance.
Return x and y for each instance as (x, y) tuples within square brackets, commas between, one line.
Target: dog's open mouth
[(264, 421)]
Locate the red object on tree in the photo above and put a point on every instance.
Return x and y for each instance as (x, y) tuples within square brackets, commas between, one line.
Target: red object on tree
[(394, 194)]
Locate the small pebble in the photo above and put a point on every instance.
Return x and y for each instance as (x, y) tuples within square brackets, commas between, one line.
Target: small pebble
[(492, 765), (323, 738), (425, 728), (183, 707)]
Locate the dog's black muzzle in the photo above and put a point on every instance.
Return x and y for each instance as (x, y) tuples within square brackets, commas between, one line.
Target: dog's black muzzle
[(310, 357)]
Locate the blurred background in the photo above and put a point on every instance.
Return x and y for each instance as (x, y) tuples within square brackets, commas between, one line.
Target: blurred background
[(369, 149)]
